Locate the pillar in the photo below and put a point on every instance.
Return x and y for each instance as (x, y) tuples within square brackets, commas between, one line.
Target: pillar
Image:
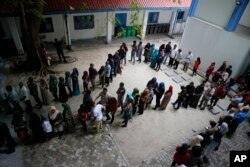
[(68, 37), (193, 7), (15, 35), (239, 9), (172, 23), (109, 27), (144, 24)]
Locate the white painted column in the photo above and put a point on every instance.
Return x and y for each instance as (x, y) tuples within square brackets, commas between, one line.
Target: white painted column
[(144, 24), (67, 30), (172, 23), (109, 27), (15, 35)]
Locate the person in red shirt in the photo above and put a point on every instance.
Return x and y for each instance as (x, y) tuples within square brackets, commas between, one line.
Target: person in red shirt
[(196, 65), (210, 70), (181, 155), (218, 94), (111, 106)]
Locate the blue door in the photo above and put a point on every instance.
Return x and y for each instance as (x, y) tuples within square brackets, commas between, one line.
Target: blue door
[(121, 19)]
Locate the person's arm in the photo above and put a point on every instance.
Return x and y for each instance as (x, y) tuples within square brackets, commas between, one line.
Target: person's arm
[(97, 97)]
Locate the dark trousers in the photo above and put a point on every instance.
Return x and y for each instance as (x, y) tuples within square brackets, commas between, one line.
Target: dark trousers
[(194, 71), (141, 107), (158, 66), (18, 107), (107, 81), (84, 125), (60, 53), (37, 99), (112, 116), (158, 101), (171, 61), (176, 64), (134, 109), (178, 102), (55, 95), (85, 86), (29, 107), (125, 121), (207, 77), (187, 101), (214, 100)]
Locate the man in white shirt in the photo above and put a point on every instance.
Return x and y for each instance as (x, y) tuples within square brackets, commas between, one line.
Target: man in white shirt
[(172, 56), (24, 96), (97, 112), (107, 73), (187, 60)]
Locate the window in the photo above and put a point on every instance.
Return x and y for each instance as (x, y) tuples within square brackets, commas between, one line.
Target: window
[(180, 16), (46, 25), (2, 33), (84, 22), (153, 17)]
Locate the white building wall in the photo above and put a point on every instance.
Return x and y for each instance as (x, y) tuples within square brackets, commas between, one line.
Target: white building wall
[(59, 28), (245, 19), (217, 12), (212, 43)]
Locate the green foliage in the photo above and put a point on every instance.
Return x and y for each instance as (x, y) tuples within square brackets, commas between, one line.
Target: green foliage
[(135, 9)]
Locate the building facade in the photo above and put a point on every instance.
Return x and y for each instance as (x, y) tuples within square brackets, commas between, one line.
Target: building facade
[(71, 21)]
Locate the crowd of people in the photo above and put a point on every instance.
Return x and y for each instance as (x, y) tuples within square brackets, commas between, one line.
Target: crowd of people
[(94, 110)]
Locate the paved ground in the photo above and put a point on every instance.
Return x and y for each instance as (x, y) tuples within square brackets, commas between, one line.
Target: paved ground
[(149, 138)]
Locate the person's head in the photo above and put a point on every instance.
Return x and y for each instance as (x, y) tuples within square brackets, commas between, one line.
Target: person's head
[(154, 79), (8, 88), (212, 123), (52, 109), (213, 63), (134, 42), (20, 84), (124, 44), (135, 91), (189, 52), (198, 59), (224, 62), (245, 109), (223, 128), (170, 88), (232, 110), (88, 92), (229, 67), (55, 39), (196, 141), (140, 43), (179, 50), (175, 46), (91, 65), (110, 56), (169, 43), (42, 45), (162, 86), (121, 85), (191, 84), (67, 74), (104, 90), (183, 149), (107, 63), (75, 70), (61, 79), (30, 79), (148, 44)]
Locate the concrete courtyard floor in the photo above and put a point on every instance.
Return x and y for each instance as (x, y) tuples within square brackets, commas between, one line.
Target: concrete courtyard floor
[(149, 139)]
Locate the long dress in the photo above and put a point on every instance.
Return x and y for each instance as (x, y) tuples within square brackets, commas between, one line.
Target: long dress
[(154, 57), (76, 88), (68, 117), (45, 94), (165, 101), (63, 97)]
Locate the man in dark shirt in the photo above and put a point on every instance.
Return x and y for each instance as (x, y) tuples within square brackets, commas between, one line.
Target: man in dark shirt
[(190, 93), (168, 49), (59, 50)]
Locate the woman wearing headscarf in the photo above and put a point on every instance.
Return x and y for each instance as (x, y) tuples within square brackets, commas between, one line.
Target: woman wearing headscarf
[(181, 155), (35, 124), (68, 117), (56, 120), (5, 137), (143, 100), (85, 79), (197, 95), (136, 97), (154, 56), (63, 97), (83, 116), (44, 87), (53, 86), (166, 98), (159, 92), (74, 77), (68, 83), (146, 52)]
